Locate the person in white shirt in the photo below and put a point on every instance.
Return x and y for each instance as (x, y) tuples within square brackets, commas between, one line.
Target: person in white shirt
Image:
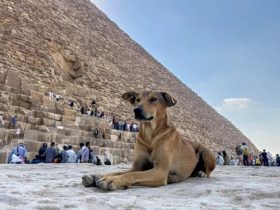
[(71, 155)]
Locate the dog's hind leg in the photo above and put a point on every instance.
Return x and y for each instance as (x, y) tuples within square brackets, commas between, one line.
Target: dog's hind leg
[(206, 162)]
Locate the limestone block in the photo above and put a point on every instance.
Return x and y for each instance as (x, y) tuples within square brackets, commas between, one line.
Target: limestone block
[(36, 97), (52, 116), (44, 137), (59, 108), (31, 134), (47, 102), (70, 113), (3, 157), (113, 137), (32, 146), (70, 124), (74, 140), (26, 87), (13, 79), (34, 121), (25, 105), (49, 122), (95, 149), (25, 98), (61, 131), (31, 155)]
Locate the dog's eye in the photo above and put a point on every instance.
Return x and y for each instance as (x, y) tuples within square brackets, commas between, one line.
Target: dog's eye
[(153, 99), (137, 100)]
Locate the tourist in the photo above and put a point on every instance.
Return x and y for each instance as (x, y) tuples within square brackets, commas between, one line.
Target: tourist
[(57, 97), (13, 121), (63, 155), (91, 156), (36, 160), (220, 159), (96, 133), (226, 158), (18, 154), (50, 153), (18, 132), (79, 153), (277, 160), (1, 120), (258, 161), (250, 159), (50, 94), (245, 151), (42, 152), (264, 158), (107, 157), (83, 110), (85, 153), (71, 155), (71, 104)]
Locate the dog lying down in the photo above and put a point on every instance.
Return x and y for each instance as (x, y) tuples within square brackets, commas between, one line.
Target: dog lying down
[(161, 155)]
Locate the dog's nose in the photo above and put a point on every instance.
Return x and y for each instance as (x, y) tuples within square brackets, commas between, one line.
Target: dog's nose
[(137, 111)]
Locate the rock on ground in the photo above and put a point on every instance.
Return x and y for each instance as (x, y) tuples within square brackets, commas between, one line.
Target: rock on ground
[(58, 186)]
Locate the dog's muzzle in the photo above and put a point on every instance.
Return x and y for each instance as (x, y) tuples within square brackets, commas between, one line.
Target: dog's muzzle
[(139, 114)]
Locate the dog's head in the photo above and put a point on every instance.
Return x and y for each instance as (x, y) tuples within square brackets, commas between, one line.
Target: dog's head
[(149, 105)]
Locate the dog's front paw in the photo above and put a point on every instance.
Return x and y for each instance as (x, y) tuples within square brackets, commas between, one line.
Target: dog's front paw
[(108, 183), (90, 180)]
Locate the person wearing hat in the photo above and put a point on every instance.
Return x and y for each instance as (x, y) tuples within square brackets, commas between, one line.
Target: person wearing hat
[(18, 154)]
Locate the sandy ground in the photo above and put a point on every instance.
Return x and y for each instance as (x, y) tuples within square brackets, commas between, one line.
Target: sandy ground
[(58, 186)]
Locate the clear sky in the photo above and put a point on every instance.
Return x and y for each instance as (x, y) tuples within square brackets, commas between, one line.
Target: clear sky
[(228, 52)]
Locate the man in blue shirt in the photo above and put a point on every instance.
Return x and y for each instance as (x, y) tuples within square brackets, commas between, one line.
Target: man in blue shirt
[(50, 153)]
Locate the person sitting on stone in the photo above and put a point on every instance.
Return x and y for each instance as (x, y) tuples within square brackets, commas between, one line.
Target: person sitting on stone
[(50, 153), (42, 152), (107, 157), (71, 104), (1, 120), (57, 96), (71, 155), (18, 132), (83, 110), (18, 155), (96, 133), (63, 155), (36, 160)]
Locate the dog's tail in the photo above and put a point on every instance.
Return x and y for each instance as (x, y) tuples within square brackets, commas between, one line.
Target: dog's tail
[(206, 161)]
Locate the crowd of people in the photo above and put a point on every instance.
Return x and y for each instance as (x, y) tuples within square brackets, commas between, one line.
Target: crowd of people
[(93, 110), (52, 154), (246, 158)]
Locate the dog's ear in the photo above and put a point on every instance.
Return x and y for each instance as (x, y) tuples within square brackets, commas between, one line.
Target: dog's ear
[(130, 96), (169, 100)]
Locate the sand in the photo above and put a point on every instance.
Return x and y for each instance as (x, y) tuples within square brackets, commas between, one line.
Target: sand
[(58, 186)]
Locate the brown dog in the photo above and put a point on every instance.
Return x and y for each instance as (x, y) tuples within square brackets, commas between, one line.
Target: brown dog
[(161, 156)]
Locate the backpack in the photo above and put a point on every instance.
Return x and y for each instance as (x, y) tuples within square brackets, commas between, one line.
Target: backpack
[(238, 150), (245, 151)]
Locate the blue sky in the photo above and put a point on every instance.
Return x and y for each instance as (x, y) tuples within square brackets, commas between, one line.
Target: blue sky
[(228, 52)]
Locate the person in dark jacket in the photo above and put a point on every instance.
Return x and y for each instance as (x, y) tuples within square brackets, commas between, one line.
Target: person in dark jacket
[(42, 152), (50, 153)]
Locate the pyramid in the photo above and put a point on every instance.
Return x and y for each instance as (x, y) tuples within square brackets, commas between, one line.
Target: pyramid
[(71, 48)]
